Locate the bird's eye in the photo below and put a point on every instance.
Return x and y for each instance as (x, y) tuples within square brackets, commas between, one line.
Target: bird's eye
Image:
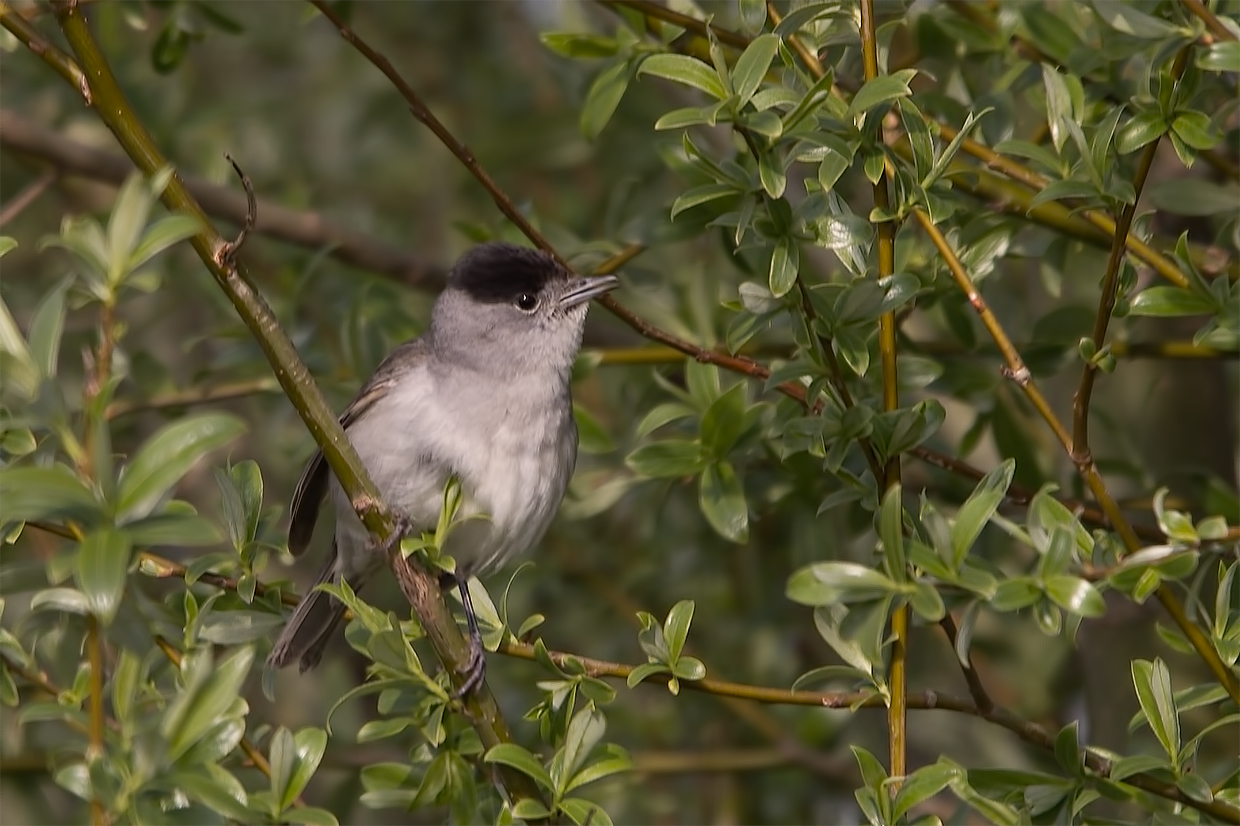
[(527, 302)]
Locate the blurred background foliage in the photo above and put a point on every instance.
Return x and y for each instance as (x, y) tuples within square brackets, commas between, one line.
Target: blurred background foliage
[(320, 132)]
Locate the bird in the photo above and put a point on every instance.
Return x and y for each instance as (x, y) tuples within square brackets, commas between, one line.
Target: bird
[(484, 396)]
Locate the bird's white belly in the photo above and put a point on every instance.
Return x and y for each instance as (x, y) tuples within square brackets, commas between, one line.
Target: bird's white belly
[(513, 471)]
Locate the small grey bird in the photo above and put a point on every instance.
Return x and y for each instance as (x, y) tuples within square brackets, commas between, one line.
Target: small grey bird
[(484, 395)]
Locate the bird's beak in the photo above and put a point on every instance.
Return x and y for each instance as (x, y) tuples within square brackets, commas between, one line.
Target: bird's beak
[(586, 288)]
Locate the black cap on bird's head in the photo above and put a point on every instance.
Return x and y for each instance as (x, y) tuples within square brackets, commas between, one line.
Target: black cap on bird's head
[(497, 272), (509, 306)]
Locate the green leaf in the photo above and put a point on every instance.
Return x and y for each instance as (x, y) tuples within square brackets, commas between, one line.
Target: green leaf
[(173, 528), (947, 155), (826, 583), (615, 761), (167, 456), (129, 213), (20, 371), (572, 44), (773, 176), (686, 70), (604, 96), (752, 65), (1126, 18), (891, 531), (1223, 56), (1196, 129), (214, 787), (53, 493), (516, 757), (237, 626), (309, 816), (582, 812), (102, 569), (722, 500), (880, 90), (1068, 748), (676, 627), (1076, 596), (309, 745), (923, 784), (927, 602), (209, 692), (785, 263), (1153, 685), (1170, 302), (670, 457), (661, 415), (978, 508), (724, 421), (46, 328), (701, 195), (161, 235), (1058, 190), (1145, 126)]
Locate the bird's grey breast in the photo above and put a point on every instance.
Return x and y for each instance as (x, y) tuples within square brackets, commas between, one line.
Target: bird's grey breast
[(511, 442)]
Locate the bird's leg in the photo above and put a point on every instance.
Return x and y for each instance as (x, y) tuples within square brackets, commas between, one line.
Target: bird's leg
[(476, 669)]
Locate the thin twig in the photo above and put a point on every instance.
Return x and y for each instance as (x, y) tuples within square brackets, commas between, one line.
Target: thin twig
[(62, 63), (1080, 450), (27, 196), (974, 680), (925, 700), (1016, 370), (115, 111), (20, 134)]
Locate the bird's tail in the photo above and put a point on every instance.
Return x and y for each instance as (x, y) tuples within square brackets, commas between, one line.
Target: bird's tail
[(313, 622)]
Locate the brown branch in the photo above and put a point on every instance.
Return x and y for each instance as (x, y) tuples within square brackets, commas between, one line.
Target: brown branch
[(974, 680), (63, 64), (27, 196), (1016, 370), (1202, 12), (1080, 450), (1026, 730), (311, 230)]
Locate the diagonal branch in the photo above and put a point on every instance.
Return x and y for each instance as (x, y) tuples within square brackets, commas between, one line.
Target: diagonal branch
[(26, 136), (1016, 370), (450, 647)]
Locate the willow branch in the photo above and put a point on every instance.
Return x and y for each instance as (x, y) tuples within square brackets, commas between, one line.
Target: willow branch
[(27, 196), (897, 718), (450, 647), (1203, 13), (311, 230), (1080, 450), (1017, 371), (1026, 730), (60, 62)]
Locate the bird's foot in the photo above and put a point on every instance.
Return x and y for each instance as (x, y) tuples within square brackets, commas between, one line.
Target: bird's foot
[(402, 527), (475, 670)]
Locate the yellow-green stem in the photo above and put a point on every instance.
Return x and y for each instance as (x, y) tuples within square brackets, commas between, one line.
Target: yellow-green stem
[(449, 645), (1018, 372), (897, 719)]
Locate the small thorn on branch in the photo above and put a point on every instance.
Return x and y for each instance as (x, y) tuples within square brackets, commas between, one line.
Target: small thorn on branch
[(226, 255)]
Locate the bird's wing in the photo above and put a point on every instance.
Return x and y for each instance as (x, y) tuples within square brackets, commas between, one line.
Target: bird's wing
[(312, 486)]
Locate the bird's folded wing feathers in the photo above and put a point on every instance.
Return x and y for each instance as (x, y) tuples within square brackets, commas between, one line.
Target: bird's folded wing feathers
[(312, 486)]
